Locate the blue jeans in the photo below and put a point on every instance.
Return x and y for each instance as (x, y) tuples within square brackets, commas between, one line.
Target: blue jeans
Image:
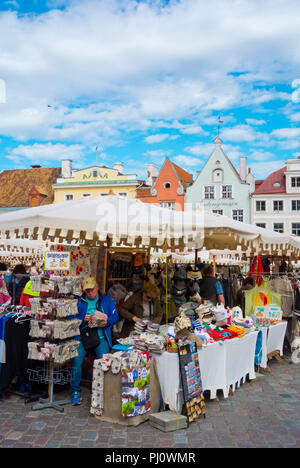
[(76, 363)]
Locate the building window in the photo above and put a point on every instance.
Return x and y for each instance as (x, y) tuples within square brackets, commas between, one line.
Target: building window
[(217, 175), (227, 191), (209, 192), (295, 205), (260, 206), (123, 194), (169, 205), (95, 174), (296, 229), (220, 212), (167, 185), (278, 205), (295, 181), (69, 197), (103, 194), (261, 225), (86, 195), (278, 227), (238, 215)]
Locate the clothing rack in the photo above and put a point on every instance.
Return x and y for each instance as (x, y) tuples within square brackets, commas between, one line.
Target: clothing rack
[(19, 312)]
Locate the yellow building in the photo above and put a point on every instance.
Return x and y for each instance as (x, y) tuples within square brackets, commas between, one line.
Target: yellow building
[(94, 181)]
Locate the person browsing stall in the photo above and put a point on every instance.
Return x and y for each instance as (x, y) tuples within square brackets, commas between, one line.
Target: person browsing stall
[(143, 304), (98, 313), (210, 288)]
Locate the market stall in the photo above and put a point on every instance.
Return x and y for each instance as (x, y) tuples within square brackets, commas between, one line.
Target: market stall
[(223, 366), (113, 224)]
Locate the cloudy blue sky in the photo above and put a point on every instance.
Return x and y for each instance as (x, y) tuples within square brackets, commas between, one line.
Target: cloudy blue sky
[(147, 79)]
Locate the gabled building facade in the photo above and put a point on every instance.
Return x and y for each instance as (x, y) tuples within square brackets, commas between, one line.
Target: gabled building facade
[(275, 203), (168, 187), (220, 188)]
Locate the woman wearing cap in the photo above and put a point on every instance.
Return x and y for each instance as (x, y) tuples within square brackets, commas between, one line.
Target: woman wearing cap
[(143, 304), (100, 311)]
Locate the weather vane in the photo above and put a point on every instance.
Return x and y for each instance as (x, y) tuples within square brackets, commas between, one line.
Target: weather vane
[(219, 124)]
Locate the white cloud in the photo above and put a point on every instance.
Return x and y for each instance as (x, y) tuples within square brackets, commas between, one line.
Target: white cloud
[(158, 138), (295, 117), (205, 150), (262, 170), (238, 133), (261, 155), (46, 153), (255, 121), (188, 161), (286, 133), (111, 67)]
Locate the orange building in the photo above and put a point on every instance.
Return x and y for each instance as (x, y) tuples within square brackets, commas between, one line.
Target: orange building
[(168, 188)]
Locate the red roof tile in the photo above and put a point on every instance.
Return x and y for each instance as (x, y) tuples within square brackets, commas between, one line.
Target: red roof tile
[(16, 185), (267, 186)]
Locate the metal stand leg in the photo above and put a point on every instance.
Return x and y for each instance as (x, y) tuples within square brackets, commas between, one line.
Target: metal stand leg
[(57, 405)]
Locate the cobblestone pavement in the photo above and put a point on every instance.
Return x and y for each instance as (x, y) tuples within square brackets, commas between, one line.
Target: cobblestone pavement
[(261, 413)]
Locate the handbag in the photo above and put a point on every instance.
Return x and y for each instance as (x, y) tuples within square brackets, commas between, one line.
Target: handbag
[(89, 338)]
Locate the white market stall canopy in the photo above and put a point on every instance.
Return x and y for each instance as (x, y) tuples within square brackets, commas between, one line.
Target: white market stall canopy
[(130, 222), (25, 246)]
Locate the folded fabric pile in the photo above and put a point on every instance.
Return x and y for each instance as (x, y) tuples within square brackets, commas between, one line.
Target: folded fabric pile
[(59, 353), (156, 344), (39, 329), (65, 351), (150, 343), (146, 326), (153, 328), (140, 326), (66, 329)]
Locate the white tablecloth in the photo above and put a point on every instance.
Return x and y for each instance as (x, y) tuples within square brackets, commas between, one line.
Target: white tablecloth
[(273, 338), (222, 364)]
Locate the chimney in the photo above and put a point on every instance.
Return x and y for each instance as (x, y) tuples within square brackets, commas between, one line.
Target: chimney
[(243, 168), (250, 179), (152, 174), (66, 168), (119, 167)]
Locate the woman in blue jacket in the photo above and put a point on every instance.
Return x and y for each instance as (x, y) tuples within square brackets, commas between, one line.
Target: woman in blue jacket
[(92, 305)]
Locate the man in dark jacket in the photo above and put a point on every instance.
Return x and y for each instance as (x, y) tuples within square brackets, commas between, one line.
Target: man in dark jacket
[(210, 288), (100, 309), (143, 304)]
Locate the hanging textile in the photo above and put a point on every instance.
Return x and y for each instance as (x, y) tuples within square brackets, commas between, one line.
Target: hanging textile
[(256, 268), (260, 296), (282, 285), (16, 337)]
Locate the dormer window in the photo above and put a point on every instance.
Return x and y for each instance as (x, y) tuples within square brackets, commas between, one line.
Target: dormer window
[(217, 175)]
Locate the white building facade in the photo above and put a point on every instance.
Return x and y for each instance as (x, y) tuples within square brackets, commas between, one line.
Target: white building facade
[(275, 203), (220, 188)]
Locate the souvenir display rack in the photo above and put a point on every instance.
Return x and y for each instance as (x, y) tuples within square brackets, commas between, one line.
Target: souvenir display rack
[(54, 328)]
